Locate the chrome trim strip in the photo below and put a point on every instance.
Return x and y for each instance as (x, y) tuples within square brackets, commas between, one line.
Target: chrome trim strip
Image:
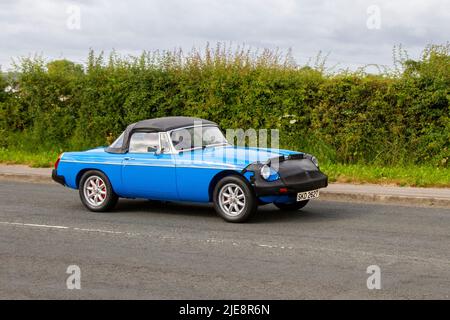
[(121, 164), (144, 159), (90, 162), (205, 164), (154, 165), (148, 165), (203, 167)]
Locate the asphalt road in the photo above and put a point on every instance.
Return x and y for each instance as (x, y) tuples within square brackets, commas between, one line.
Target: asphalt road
[(148, 251)]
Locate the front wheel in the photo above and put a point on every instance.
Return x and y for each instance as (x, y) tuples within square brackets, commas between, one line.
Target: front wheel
[(293, 206), (96, 192), (234, 199)]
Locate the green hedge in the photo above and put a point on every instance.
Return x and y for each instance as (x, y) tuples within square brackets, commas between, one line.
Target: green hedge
[(398, 117)]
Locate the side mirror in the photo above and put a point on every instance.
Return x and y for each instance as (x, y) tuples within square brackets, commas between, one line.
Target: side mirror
[(158, 151)]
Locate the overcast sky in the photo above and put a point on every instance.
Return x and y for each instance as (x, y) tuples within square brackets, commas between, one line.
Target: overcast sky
[(354, 32)]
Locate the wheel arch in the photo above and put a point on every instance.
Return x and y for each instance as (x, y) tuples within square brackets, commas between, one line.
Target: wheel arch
[(83, 171), (219, 176)]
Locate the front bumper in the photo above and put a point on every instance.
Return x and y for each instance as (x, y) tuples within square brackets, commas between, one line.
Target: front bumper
[(59, 179), (309, 182), (296, 175)]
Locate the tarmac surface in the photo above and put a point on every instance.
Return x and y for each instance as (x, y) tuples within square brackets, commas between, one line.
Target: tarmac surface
[(146, 250)]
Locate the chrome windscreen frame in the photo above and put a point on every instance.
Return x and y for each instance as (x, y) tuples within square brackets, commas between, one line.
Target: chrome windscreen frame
[(175, 151)]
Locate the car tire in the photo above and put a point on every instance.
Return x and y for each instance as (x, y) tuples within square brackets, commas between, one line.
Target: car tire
[(242, 202), (96, 192), (293, 206)]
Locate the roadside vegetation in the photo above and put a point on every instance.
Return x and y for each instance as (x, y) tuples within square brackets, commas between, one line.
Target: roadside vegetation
[(38, 159), (393, 127), (406, 175)]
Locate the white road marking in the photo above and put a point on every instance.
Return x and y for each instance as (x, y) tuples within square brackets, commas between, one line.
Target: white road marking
[(98, 230), (20, 224), (349, 252), (33, 225), (274, 246)]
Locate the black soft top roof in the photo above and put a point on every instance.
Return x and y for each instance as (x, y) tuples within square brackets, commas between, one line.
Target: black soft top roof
[(169, 123), (157, 125)]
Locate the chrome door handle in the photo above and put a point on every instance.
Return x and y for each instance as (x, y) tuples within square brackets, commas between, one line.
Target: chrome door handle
[(128, 158)]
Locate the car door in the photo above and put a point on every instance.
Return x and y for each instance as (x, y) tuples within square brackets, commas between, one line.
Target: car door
[(148, 171)]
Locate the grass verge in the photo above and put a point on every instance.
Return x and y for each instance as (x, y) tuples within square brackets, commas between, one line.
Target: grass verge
[(410, 175), (39, 159)]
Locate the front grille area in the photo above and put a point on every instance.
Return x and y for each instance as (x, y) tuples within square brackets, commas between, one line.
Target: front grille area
[(292, 170), (302, 174), (301, 177), (297, 175)]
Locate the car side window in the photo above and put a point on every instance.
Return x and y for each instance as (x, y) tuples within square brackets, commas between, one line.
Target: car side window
[(144, 142), (182, 139)]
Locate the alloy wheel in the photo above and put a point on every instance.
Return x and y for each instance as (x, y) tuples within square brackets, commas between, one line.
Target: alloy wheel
[(95, 191), (232, 199)]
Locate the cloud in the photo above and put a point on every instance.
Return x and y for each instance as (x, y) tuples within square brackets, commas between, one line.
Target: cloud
[(307, 26)]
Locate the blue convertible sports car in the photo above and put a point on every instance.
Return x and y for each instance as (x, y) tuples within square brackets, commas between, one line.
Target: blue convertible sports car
[(189, 159)]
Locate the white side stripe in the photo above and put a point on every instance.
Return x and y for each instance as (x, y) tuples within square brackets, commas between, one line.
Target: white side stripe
[(193, 166)]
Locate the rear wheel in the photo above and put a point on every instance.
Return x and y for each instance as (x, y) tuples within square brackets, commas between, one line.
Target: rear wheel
[(96, 192), (292, 206), (234, 199)]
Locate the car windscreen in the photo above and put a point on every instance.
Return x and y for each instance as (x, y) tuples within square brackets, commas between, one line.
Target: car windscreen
[(197, 137)]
